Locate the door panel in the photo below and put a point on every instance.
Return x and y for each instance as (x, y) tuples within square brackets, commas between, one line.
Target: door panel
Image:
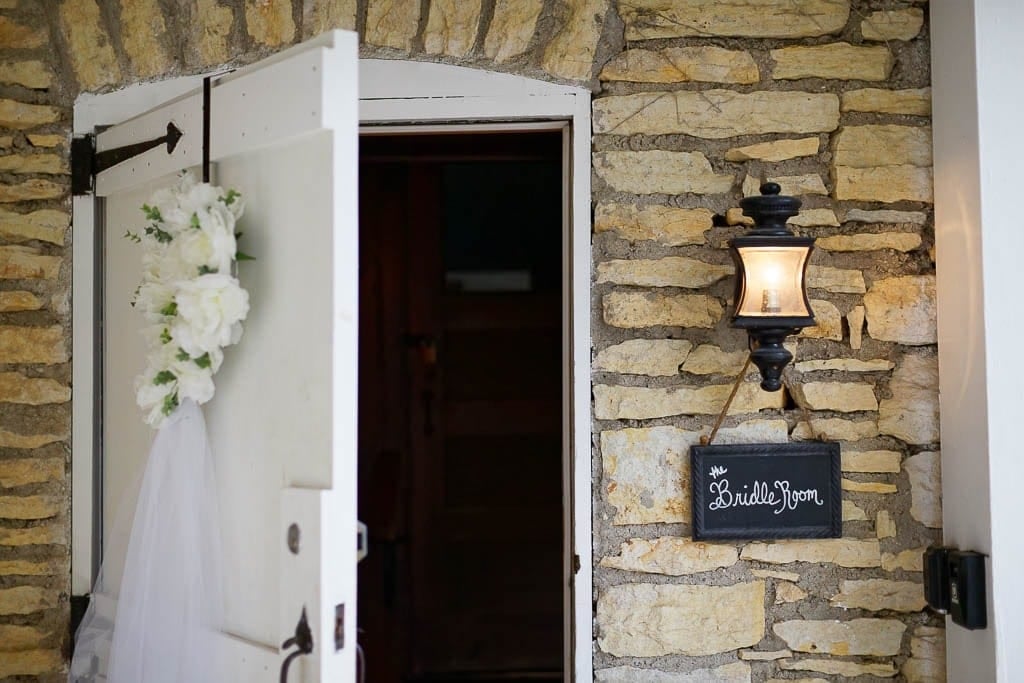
[(283, 423)]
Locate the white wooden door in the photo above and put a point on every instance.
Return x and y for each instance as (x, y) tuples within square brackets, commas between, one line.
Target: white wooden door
[(283, 423)]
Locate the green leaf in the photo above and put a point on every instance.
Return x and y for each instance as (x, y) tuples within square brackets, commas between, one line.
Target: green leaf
[(161, 236), (242, 256), (164, 377), (152, 213), (203, 361), (170, 403), (132, 236), (194, 221), (230, 198), (170, 309), (182, 355), (206, 270), (165, 336)]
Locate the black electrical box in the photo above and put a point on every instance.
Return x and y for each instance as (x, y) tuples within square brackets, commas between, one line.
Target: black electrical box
[(936, 578), (967, 589)]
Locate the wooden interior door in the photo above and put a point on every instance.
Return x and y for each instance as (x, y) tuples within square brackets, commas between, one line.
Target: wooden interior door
[(461, 405)]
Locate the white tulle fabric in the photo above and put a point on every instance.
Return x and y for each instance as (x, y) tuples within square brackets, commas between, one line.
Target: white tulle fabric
[(153, 622)]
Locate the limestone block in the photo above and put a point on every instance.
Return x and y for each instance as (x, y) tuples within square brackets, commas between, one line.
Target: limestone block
[(776, 150), (451, 27), (6, 141), (324, 15), (672, 556), (786, 592), (17, 36), (209, 33), (645, 620), (24, 471), (762, 656), (844, 397), (908, 560), (855, 320), (838, 667), (31, 663), (26, 263), (923, 470), (796, 680), (845, 365), (17, 638), (912, 414), (916, 102), (665, 225), (902, 24), (651, 357), (880, 594), (886, 216), (27, 568), (738, 18), (794, 185), (31, 74), (392, 23), (902, 309), (33, 163), (19, 116), (884, 184), (270, 22), (775, 574), (30, 507), (885, 527), (897, 241), (11, 302), (143, 35), (735, 672), (837, 429), (29, 190), (570, 54), (650, 309), (660, 172), (641, 403), (92, 53), (875, 637), (927, 663), (46, 140), (815, 218), (735, 216), (647, 471), (53, 534), (838, 280), (716, 114), (27, 600), (853, 512), (33, 344), (868, 486), (845, 552), (17, 388), (871, 461), (512, 28), (45, 225), (708, 359), (828, 321), (671, 271), (704, 63), (834, 60), (883, 145), (28, 441)]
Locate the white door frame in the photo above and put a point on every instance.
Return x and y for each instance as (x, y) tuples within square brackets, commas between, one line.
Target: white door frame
[(403, 93)]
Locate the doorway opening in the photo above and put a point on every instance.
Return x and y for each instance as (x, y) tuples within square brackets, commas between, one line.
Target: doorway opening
[(462, 395)]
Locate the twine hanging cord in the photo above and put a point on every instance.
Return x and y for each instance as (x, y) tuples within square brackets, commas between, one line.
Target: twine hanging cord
[(709, 439)]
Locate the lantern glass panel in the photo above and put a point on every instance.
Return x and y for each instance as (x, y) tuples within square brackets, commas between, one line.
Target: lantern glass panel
[(773, 283)]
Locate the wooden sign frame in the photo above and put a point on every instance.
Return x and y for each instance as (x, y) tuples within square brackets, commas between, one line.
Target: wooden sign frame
[(766, 491)]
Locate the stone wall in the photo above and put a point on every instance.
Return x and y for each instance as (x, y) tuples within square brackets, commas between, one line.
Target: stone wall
[(696, 102)]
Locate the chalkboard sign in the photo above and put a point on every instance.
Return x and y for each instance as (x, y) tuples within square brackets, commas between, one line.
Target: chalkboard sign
[(766, 491)]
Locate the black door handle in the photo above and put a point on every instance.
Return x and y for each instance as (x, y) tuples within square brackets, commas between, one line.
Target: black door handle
[(303, 640)]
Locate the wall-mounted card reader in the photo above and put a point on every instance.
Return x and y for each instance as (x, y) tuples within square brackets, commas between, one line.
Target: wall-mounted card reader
[(954, 584)]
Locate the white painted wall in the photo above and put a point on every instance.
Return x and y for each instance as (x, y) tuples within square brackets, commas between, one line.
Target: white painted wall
[(977, 53)]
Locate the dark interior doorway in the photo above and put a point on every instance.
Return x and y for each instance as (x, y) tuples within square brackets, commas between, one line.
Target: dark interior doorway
[(461, 406)]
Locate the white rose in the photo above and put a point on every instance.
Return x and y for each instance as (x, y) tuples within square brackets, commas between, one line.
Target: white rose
[(166, 265), (152, 298), (194, 382), (150, 396), (214, 249), (208, 308)]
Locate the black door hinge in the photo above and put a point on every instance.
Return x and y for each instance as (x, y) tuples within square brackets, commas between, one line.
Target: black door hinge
[(87, 163)]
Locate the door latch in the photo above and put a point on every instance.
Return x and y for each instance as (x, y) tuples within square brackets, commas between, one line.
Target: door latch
[(303, 640)]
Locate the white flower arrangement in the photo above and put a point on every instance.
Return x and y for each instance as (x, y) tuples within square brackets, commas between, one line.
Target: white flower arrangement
[(192, 302)]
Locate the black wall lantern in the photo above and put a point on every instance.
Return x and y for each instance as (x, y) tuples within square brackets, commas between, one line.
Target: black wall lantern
[(771, 293)]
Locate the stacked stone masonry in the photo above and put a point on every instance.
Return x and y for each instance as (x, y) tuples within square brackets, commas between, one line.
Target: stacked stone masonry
[(696, 102)]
